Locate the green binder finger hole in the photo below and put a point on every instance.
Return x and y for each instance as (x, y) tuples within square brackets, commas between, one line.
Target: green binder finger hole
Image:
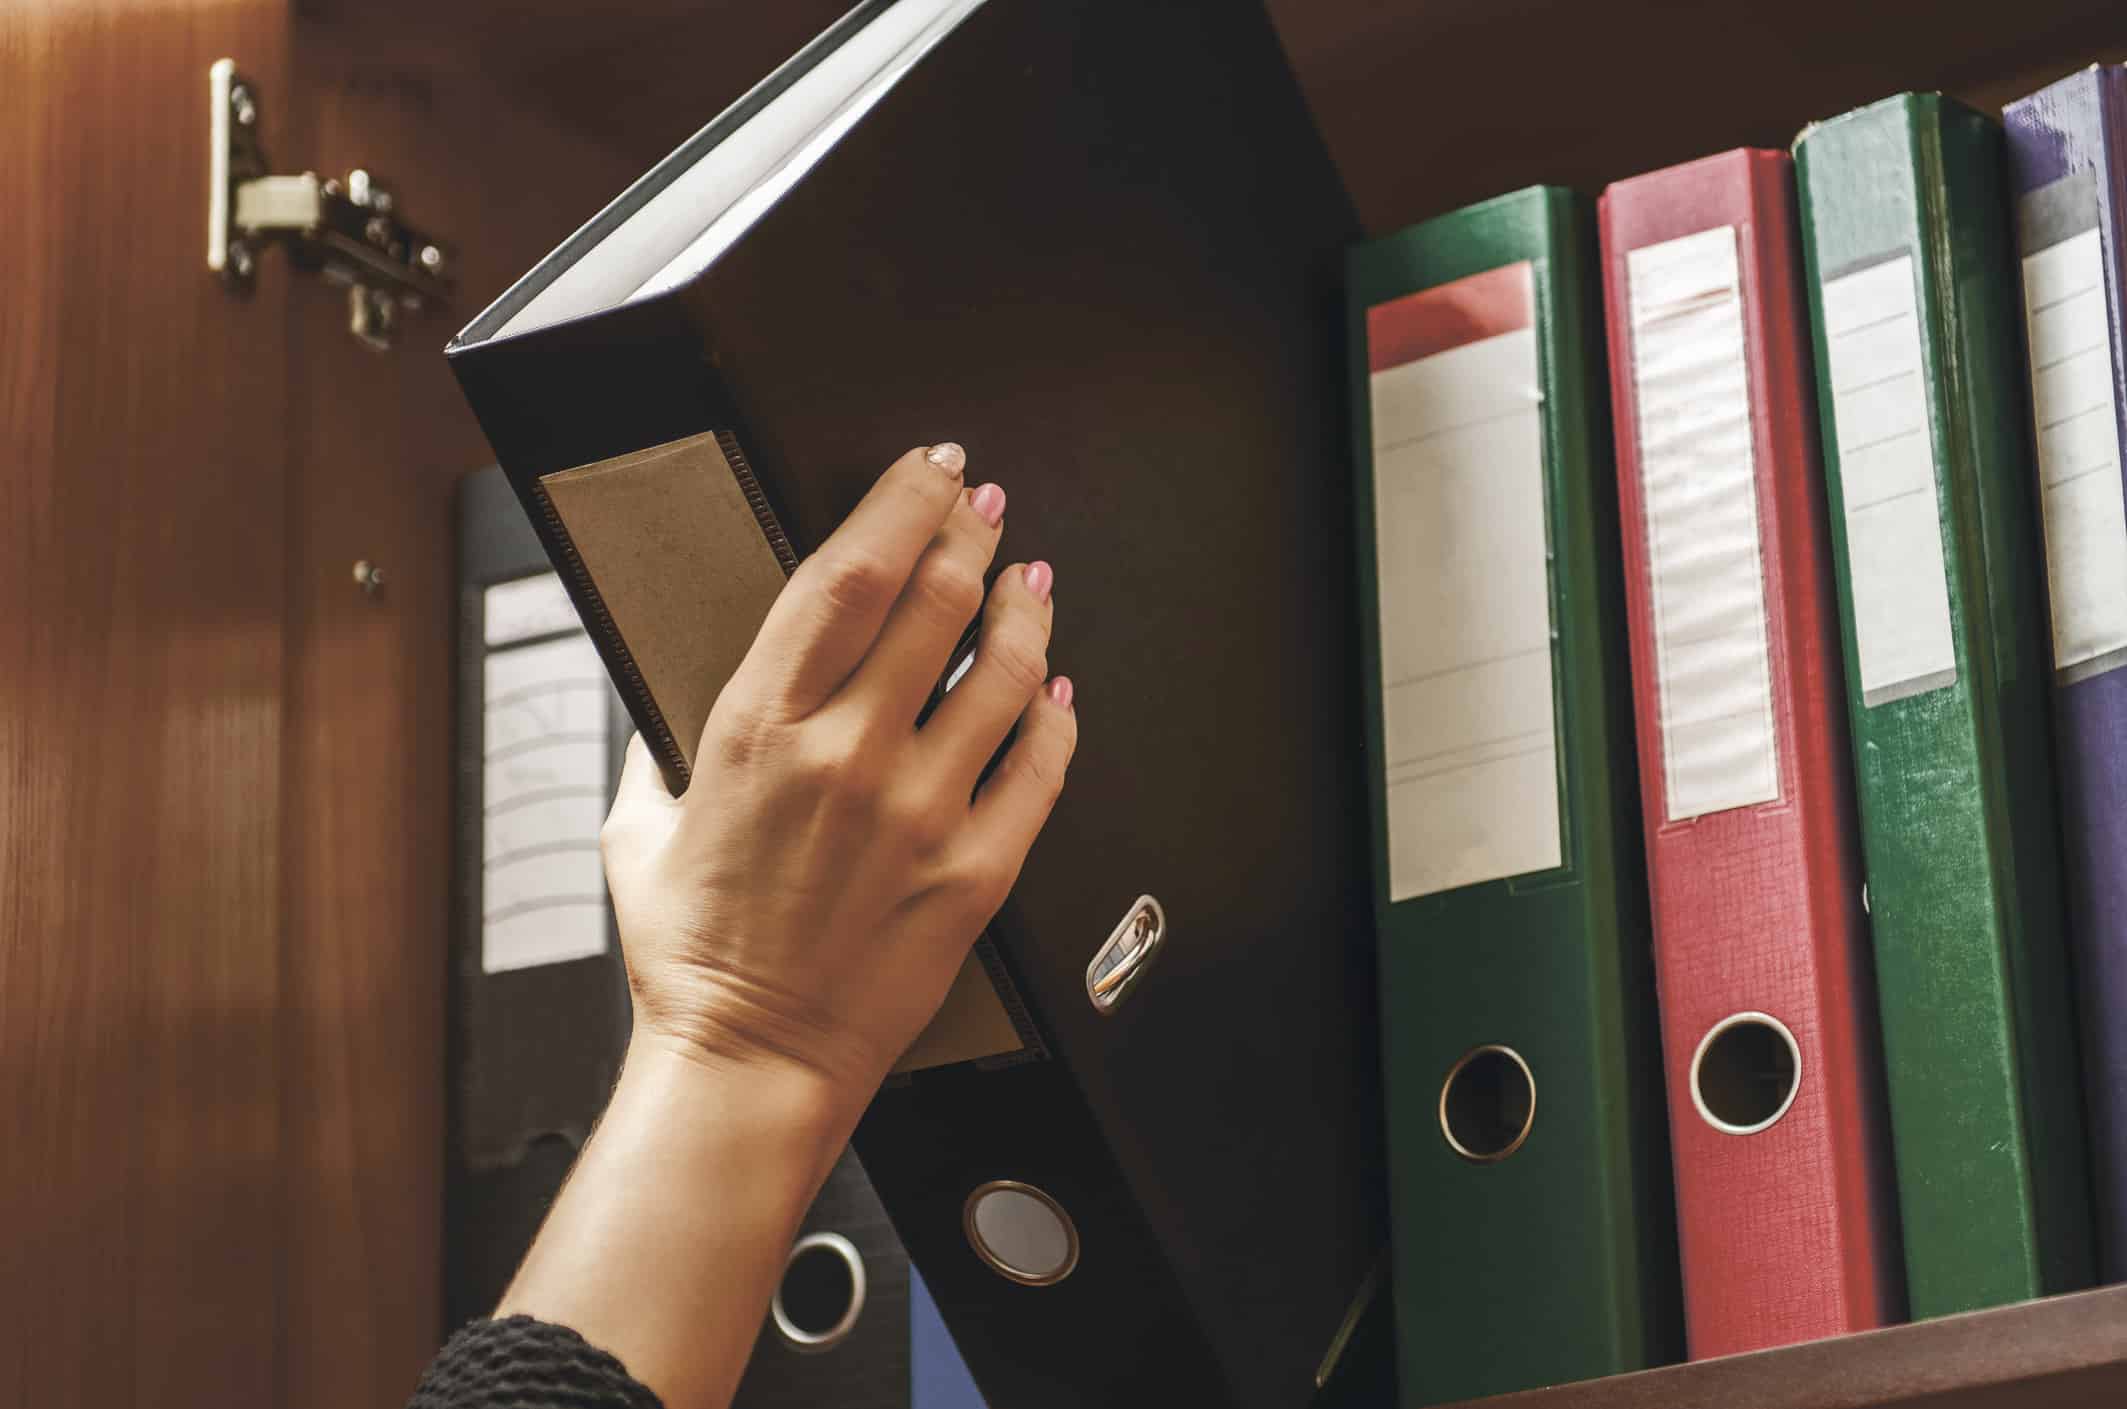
[(1487, 1104), (822, 1292), (1745, 1073)]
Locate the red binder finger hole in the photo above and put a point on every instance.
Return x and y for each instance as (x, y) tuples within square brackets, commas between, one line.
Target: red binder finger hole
[(1487, 1104), (821, 1294), (1745, 1074)]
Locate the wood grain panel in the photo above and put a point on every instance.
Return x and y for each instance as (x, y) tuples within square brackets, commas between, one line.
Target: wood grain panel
[(140, 664), (378, 443), (639, 78)]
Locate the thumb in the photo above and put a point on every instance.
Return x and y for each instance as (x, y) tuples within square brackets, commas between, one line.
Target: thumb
[(642, 794)]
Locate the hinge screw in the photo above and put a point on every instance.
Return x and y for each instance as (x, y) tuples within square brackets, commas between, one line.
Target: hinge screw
[(241, 262), (242, 106)]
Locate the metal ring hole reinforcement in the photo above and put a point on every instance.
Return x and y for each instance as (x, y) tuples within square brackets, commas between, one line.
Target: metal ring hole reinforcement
[(822, 1292), (1745, 1074), (1488, 1103), (1021, 1233)]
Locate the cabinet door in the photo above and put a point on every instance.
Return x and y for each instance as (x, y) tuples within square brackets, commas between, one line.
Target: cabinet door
[(224, 768), (377, 444), (143, 446)]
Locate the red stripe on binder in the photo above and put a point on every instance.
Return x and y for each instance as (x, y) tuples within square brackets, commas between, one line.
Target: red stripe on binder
[(1787, 1233), (1447, 316)]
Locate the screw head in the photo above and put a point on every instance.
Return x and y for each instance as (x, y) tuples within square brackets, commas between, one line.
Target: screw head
[(241, 262), (431, 259), (242, 105)]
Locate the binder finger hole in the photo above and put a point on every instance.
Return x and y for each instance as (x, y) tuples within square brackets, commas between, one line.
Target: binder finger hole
[(1021, 1233), (1745, 1074), (822, 1292), (1488, 1103)]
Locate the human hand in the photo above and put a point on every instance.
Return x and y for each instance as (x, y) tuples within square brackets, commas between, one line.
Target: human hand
[(806, 903)]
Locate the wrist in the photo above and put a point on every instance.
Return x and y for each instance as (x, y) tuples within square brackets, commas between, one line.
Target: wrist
[(796, 1116), (671, 1232)]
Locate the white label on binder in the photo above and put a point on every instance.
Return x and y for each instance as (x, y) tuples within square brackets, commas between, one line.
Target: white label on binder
[(1698, 481), (1887, 469), (543, 893), (2074, 408), (1469, 717), (529, 607)]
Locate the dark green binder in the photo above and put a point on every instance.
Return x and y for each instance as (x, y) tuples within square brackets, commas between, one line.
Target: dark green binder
[(1914, 309), (1542, 1251)]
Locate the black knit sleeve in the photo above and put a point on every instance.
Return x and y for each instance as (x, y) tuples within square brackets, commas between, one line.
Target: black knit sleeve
[(520, 1363)]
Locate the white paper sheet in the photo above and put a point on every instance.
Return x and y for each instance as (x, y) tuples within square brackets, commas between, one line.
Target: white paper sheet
[(1698, 481), (680, 230), (546, 765), (1465, 609), (2073, 406), (1887, 468)]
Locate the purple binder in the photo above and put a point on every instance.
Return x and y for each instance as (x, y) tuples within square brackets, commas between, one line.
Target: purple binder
[(2068, 163), (937, 1377)]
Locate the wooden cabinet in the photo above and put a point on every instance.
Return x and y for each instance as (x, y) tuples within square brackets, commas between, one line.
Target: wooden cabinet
[(224, 777)]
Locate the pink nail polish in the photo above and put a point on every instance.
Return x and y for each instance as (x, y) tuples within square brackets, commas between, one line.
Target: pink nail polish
[(1061, 690), (988, 501), (1041, 579), (947, 456)]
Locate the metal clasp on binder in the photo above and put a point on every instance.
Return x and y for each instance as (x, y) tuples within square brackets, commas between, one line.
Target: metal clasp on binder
[(1126, 955), (349, 231)]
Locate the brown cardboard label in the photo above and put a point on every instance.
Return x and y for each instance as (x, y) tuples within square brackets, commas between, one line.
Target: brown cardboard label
[(687, 575), (684, 570)]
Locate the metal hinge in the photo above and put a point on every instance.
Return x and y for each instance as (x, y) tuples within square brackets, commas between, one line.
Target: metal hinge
[(349, 231)]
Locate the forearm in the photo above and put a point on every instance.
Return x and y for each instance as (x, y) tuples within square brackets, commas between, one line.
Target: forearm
[(668, 1240)]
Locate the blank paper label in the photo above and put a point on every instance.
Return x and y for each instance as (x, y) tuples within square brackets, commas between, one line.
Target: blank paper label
[(1470, 722), (1887, 468), (529, 607), (1698, 481), (2072, 396), (546, 766)]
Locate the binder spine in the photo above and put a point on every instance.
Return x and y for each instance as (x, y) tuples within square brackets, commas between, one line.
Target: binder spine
[(2068, 169), (1521, 957), (1934, 547), (1752, 855)]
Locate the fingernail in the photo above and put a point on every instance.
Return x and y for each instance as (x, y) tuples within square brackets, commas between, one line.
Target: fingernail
[(988, 501), (1040, 579), (947, 456), (1060, 690)]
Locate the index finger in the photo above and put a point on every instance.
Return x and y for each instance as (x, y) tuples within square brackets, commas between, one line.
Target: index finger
[(826, 619)]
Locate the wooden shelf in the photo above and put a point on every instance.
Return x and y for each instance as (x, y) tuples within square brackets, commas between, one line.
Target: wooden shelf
[(2067, 1352)]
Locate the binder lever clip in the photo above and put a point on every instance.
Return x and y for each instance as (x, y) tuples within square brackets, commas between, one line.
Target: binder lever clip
[(349, 231)]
